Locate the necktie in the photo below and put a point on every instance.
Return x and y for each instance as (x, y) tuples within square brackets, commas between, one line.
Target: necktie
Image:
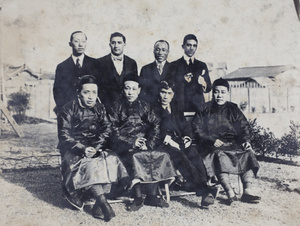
[(160, 69), (191, 65), (78, 63)]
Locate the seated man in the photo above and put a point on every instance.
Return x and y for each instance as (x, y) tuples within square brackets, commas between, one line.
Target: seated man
[(87, 167), (176, 140), (135, 134), (222, 134)]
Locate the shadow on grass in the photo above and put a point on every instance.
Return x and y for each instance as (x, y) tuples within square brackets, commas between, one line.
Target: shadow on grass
[(186, 202), (45, 184), (276, 160)]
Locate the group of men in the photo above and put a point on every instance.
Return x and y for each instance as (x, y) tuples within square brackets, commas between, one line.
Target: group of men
[(190, 74), (142, 121)]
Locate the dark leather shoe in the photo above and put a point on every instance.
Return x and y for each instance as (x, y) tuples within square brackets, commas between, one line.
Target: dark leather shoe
[(207, 199), (232, 199), (250, 198), (134, 206), (97, 212), (152, 200), (108, 212)]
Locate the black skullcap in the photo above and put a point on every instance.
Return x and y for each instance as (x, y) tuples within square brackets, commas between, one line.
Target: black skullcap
[(221, 82), (85, 79), (131, 77)]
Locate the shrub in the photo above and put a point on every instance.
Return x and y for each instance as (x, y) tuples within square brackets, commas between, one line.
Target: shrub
[(263, 141), (18, 103), (290, 143)]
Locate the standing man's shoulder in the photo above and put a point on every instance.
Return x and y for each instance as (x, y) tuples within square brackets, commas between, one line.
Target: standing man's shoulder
[(178, 61), (88, 58), (146, 69), (200, 63), (129, 59), (67, 61), (104, 58), (171, 66), (149, 66)]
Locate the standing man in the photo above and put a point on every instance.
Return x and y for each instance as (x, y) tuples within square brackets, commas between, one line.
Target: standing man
[(152, 74), (69, 71), (111, 70), (192, 78)]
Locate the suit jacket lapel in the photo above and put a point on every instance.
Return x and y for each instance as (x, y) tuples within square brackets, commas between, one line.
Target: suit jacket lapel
[(124, 66), (72, 68), (155, 72), (165, 70), (110, 68)]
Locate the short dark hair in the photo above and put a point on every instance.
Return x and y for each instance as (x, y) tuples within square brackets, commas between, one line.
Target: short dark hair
[(220, 82), (167, 85), (85, 79), (162, 41), (189, 37), (117, 34), (75, 32)]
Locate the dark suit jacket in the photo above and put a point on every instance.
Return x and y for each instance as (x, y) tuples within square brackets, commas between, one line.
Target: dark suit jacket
[(150, 80), (66, 77), (110, 82), (173, 124), (189, 95)]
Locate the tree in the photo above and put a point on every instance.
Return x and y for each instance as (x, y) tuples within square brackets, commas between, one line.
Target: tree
[(19, 102)]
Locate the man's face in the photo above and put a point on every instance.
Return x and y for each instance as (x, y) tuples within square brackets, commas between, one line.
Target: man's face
[(190, 47), (117, 46), (78, 44), (88, 94), (131, 90), (166, 96), (161, 51), (221, 95)]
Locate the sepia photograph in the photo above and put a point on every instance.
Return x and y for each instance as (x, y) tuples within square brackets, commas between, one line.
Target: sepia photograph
[(161, 112)]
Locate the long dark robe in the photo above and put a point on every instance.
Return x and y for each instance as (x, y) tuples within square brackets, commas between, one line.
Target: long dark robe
[(78, 128), (133, 120), (228, 124)]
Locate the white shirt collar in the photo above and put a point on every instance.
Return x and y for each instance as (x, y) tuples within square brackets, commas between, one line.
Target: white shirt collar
[(81, 57), (113, 56), (187, 58), (162, 63), (167, 107)]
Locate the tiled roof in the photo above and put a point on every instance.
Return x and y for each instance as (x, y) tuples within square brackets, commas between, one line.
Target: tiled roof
[(253, 72), (11, 71)]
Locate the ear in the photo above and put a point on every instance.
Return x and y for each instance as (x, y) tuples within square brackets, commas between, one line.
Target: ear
[(70, 44)]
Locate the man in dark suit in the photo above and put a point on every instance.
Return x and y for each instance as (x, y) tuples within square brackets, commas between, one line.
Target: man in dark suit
[(192, 78), (111, 70), (152, 74), (69, 71)]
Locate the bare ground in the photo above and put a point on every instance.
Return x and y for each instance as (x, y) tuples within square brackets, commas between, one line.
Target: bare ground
[(33, 197)]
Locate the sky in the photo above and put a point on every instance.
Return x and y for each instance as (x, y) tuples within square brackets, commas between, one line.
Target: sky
[(239, 32)]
